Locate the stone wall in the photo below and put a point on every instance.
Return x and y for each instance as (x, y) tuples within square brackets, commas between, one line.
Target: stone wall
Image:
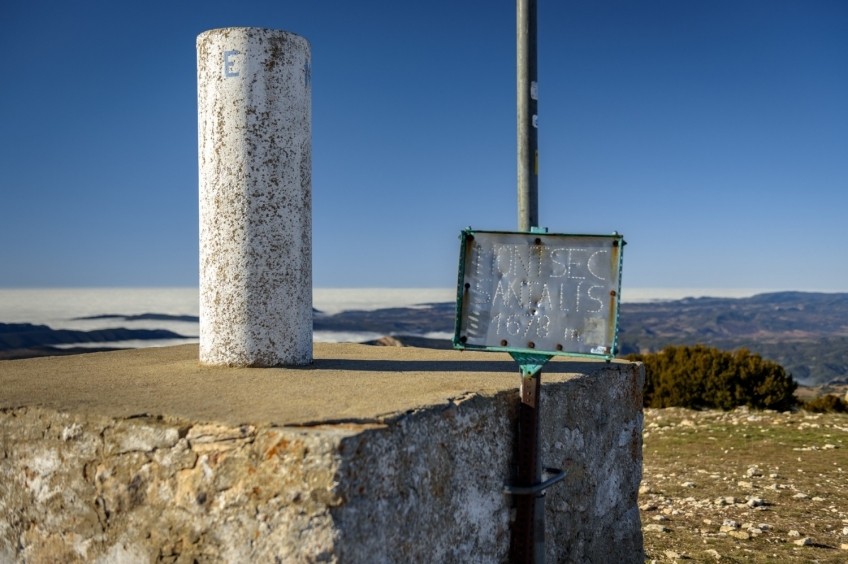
[(595, 434), (420, 486)]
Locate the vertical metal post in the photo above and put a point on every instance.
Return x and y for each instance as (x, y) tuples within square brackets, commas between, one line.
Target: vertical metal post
[(528, 540), (527, 106)]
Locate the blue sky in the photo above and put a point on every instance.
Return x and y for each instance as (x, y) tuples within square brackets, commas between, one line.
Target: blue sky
[(712, 134)]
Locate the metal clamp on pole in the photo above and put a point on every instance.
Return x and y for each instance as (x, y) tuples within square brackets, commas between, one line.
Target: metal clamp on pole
[(556, 474)]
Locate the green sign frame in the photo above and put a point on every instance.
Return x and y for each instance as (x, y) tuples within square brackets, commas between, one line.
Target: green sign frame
[(539, 294)]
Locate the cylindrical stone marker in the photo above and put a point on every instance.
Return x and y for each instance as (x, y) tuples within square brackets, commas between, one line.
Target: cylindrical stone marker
[(255, 158)]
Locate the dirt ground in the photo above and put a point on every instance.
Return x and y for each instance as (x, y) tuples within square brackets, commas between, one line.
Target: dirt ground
[(745, 486)]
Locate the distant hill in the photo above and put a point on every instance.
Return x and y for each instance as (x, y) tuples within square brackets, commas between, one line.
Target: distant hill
[(25, 340), (422, 319), (805, 332)]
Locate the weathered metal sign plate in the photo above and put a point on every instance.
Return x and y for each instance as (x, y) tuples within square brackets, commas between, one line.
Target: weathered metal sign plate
[(539, 293)]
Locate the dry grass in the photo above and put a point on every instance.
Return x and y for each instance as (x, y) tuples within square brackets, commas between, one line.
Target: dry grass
[(745, 486)]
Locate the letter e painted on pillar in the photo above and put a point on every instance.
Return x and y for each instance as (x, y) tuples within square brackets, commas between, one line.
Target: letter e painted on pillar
[(229, 62)]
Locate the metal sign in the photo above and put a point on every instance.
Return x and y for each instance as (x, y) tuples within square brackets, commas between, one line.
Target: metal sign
[(539, 293)]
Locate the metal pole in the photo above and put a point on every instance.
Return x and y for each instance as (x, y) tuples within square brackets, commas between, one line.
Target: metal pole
[(528, 541), (527, 106)]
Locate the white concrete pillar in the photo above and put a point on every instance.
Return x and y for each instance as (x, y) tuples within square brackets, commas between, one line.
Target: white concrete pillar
[(255, 159)]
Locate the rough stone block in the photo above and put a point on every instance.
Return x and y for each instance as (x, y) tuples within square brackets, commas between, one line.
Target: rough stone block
[(372, 455)]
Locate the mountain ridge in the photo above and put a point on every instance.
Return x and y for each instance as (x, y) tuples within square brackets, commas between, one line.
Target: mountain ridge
[(805, 332)]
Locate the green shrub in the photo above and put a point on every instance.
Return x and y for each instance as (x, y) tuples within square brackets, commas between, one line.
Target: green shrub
[(825, 404), (705, 377)]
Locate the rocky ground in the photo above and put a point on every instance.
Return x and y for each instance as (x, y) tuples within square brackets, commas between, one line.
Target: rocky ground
[(745, 486)]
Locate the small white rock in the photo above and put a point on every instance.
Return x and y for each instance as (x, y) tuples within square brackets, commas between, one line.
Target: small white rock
[(728, 525), (806, 541), (794, 533)]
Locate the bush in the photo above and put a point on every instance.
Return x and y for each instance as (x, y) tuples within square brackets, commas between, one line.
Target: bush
[(825, 404), (705, 377)]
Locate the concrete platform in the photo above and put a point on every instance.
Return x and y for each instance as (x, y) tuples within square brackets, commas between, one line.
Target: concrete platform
[(373, 454)]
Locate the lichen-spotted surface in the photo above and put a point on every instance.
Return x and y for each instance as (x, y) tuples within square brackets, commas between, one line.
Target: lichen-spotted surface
[(255, 192)]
